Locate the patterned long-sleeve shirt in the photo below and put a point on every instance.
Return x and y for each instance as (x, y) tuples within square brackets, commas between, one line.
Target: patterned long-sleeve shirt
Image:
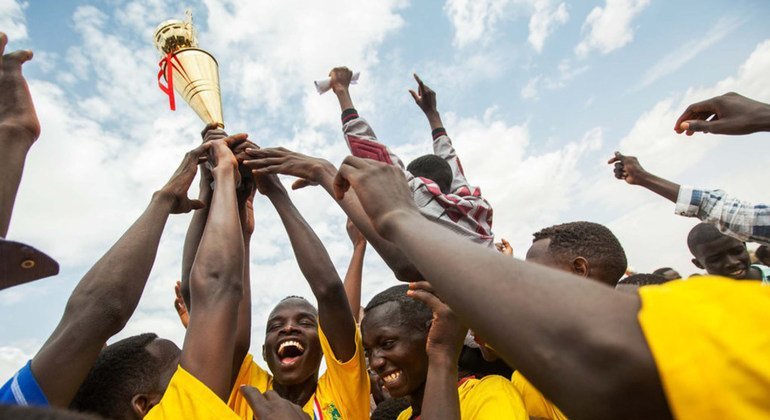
[(740, 219), (464, 210)]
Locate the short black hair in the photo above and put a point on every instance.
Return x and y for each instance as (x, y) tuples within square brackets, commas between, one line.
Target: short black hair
[(589, 240), (434, 168), (702, 233), (644, 279), (122, 370), (413, 313), (661, 271), (390, 408)]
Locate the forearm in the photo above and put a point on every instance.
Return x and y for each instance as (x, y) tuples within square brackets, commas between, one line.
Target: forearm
[(193, 238), (222, 235), (485, 287), (14, 145), (401, 266), (353, 278), (100, 306), (434, 119), (344, 99), (243, 329), (441, 399), (311, 255), (660, 186)]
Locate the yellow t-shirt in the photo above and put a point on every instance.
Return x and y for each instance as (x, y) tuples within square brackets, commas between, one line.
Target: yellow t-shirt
[(188, 398), (537, 404), (492, 397), (342, 391), (710, 339)]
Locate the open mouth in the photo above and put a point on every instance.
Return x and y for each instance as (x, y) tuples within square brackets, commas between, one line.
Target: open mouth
[(738, 274), (391, 379), (289, 352)]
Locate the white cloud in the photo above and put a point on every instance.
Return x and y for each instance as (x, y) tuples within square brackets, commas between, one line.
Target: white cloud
[(529, 91), (477, 21), (675, 60), (609, 28), (544, 21), (12, 20)]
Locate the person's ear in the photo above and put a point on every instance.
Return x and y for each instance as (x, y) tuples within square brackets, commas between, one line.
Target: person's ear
[(141, 404), (697, 263), (581, 267)]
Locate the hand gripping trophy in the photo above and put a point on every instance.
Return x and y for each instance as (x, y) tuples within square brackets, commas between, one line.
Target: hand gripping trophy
[(189, 70)]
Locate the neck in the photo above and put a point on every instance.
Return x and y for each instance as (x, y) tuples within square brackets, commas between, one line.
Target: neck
[(298, 393), (415, 400)]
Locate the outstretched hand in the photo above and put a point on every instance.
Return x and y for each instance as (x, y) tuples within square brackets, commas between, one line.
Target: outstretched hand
[(176, 188), (381, 189), (447, 334), (424, 97), (282, 161), (627, 168), (17, 112), (271, 406), (730, 113)]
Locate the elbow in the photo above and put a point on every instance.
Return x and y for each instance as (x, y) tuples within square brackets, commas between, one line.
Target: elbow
[(406, 271), (105, 316)]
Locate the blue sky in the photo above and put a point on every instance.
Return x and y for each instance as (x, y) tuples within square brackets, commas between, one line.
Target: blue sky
[(536, 94)]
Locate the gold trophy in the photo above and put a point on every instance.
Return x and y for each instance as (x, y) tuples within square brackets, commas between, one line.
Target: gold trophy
[(189, 70)]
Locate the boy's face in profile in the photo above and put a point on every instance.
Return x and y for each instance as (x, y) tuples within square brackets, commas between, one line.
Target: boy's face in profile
[(725, 256)]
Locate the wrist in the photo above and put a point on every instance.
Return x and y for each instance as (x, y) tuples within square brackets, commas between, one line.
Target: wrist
[(444, 358), (390, 226), (434, 119), (163, 198)]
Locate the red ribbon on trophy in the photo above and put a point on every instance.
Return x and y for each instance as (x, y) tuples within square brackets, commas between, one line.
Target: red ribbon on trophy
[(168, 89)]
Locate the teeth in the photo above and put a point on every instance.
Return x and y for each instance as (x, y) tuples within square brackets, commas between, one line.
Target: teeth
[(392, 377), (290, 343)]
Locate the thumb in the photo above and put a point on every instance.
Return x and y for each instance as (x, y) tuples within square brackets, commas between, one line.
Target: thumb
[(300, 183), (415, 96), (701, 126), (197, 204), (20, 56)]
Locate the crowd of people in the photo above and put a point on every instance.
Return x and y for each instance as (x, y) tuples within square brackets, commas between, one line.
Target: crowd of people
[(472, 332)]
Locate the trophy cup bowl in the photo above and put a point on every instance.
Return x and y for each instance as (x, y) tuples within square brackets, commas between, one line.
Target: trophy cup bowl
[(189, 70)]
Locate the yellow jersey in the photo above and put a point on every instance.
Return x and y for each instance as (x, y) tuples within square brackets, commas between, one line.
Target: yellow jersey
[(492, 397), (342, 391), (188, 398), (710, 339), (537, 404)]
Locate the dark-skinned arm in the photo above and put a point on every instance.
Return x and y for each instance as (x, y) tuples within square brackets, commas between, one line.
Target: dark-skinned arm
[(445, 341), (315, 171), (354, 275), (106, 297), (216, 281), (608, 366), (629, 169), (19, 128), (334, 313)]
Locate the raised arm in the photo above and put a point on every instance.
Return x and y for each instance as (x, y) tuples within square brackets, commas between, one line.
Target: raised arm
[(359, 135), (354, 275), (105, 298), (511, 304), (445, 341), (317, 171), (425, 98), (19, 128), (334, 314), (742, 220), (216, 281)]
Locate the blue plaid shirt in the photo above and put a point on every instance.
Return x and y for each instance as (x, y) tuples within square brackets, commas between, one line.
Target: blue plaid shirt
[(740, 219)]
